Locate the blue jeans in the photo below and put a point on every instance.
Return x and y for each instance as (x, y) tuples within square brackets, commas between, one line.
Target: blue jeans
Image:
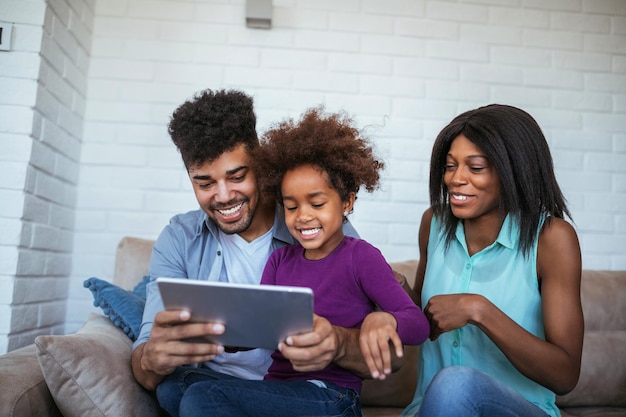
[(191, 392), (171, 390), (466, 392)]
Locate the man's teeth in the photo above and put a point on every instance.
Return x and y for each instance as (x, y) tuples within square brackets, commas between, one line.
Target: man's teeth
[(459, 197), (308, 232), (231, 211)]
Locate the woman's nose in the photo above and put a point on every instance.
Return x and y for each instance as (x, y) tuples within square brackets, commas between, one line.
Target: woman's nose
[(458, 177)]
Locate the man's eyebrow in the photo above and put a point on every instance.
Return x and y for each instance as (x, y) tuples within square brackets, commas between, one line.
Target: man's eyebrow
[(229, 172), (235, 170)]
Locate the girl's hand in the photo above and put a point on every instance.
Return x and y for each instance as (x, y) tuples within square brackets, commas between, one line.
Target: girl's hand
[(377, 332)]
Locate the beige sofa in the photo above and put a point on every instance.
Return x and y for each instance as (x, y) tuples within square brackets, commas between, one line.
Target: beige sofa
[(88, 373)]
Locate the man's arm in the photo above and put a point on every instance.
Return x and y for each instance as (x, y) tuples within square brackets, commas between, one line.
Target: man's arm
[(350, 356), (148, 379), (326, 343)]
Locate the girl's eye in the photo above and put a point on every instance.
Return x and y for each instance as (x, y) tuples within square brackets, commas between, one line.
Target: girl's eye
[(290, 208), (318, 205)]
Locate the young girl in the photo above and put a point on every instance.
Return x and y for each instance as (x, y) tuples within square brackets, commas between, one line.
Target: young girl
[(499, 273), (315, 168)]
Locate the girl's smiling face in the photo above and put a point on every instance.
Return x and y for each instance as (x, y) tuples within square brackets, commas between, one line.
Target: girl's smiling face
[(313, 210), (472, 181)]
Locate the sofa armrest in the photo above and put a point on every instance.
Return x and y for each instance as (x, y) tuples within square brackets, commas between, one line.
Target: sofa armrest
[(24, 391)]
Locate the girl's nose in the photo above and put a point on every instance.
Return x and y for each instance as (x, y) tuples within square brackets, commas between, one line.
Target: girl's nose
[(303, 215)]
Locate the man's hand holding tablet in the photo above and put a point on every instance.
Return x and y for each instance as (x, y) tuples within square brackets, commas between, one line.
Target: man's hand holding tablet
[(254, 316)]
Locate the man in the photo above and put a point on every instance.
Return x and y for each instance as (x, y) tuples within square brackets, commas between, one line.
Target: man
[(228, 239)]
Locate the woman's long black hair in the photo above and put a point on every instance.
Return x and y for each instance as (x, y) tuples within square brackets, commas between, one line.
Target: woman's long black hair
[(514, 143)]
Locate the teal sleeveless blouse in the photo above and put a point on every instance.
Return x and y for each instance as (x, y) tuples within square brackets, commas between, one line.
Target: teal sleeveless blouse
[(502, 274)]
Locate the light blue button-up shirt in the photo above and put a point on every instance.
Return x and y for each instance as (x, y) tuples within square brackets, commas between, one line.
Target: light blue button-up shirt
[(509, 280), (189, 247)]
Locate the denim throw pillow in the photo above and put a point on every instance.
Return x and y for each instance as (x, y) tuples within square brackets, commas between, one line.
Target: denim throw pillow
[(124, 308)]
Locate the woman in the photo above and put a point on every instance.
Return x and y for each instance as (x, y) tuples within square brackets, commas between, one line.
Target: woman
[(499, 273)]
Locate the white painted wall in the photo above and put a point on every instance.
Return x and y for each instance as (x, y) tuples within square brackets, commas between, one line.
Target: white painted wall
[(403, 68)]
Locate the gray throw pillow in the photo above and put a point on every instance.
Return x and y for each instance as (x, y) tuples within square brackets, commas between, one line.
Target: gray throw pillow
[(89, 374)]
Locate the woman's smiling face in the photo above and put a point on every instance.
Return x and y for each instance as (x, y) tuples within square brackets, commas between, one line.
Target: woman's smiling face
[(472, 181)]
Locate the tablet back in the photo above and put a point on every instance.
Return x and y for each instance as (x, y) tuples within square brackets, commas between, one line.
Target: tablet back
[(254, 315)]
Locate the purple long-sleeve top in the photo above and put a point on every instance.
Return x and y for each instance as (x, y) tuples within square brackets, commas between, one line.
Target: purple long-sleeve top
[(347, 285)]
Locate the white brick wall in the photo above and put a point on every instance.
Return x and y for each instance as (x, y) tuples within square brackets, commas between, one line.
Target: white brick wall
[(404, 68), (18, 86), (43, 83)]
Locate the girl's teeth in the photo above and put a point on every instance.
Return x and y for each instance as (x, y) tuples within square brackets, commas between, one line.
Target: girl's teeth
[(309, 231)]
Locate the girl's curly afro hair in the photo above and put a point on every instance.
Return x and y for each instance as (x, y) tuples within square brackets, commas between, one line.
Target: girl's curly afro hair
[(327, 141)]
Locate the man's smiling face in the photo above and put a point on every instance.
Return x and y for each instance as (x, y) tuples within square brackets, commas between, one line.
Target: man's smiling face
[(226, 190)]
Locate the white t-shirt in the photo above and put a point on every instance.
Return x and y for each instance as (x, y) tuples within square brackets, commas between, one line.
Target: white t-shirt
[(244, 263)]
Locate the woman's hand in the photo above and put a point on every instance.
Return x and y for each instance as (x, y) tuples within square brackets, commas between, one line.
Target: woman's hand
[(450, 312)]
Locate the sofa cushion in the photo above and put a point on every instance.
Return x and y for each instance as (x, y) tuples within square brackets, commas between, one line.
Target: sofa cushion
[(398, 389), (123, 307), (88, 373)]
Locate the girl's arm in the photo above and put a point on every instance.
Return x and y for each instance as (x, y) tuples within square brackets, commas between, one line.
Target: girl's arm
[(400, 321)]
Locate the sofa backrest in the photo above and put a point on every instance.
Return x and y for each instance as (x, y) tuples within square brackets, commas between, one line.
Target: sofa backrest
[(604, 301), (604, 306), (602, 379), (132, 261)]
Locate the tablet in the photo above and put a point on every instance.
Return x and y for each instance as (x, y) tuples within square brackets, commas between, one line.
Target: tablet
[(255, 316)]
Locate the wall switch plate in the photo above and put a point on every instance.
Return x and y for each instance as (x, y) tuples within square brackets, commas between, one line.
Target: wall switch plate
[(6, 29)]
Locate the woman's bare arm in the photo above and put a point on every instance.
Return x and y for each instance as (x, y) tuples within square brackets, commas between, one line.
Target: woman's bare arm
[(554, 362)]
